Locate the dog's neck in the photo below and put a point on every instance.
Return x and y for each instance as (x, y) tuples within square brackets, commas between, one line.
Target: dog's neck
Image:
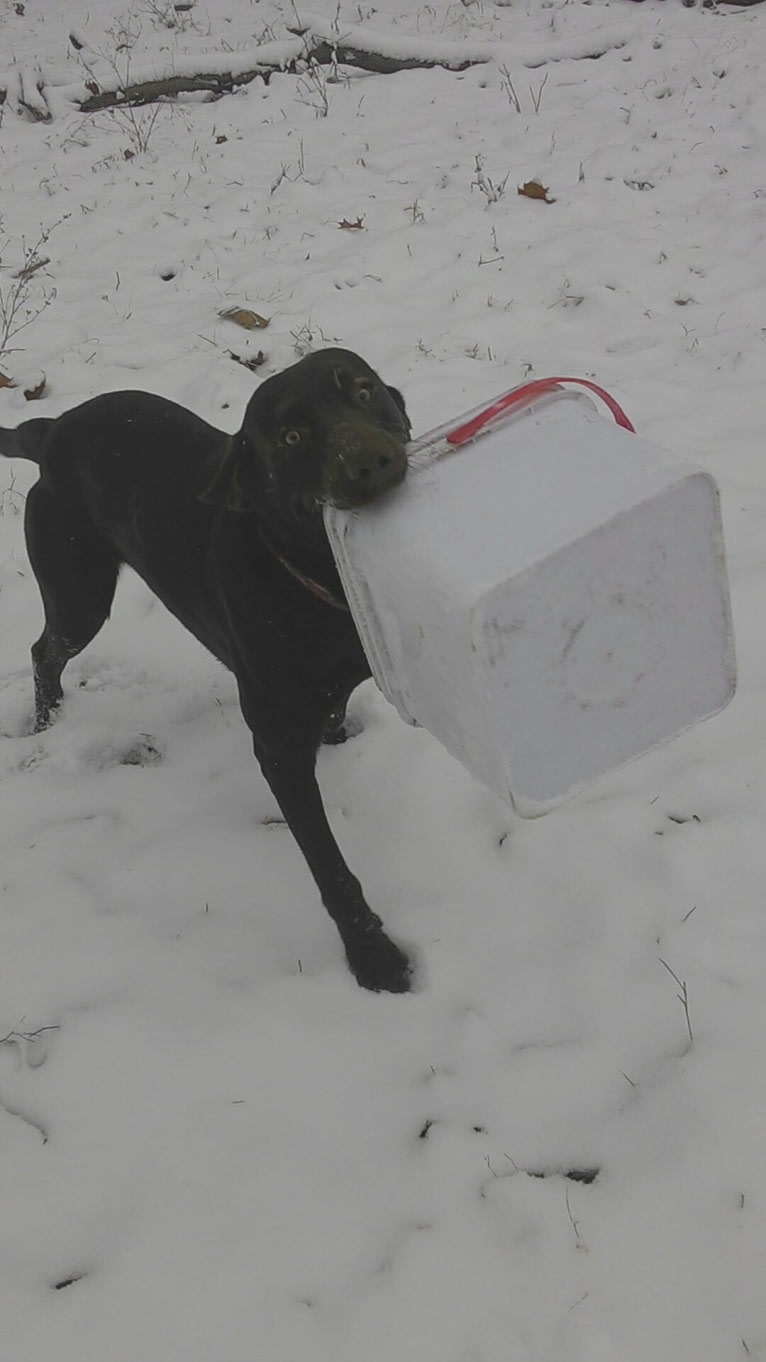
[(321, 592), (285, 559)]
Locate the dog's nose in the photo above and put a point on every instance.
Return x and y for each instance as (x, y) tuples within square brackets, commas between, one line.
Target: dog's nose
[(374, 470), (371, 464)]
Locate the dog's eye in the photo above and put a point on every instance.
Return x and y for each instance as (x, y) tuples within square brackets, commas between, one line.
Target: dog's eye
[(291, 437), (364, 392)]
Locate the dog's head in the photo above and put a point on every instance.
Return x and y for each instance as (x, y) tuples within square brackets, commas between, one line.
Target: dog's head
[(326, 431)]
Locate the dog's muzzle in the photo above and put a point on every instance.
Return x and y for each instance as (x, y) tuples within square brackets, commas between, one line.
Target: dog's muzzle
[(364, 464)]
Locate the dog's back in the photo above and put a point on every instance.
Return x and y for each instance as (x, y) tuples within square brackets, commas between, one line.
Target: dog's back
[(118, 441), (129, 468)]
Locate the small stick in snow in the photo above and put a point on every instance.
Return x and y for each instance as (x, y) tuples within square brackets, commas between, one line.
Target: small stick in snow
[(683, 996)]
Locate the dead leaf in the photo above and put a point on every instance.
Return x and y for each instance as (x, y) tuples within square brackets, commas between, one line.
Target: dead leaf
[(128, 154), (35, 393), (352, 226), (35, 264), (18, 9), (220, 139), (251, 362), (5, 381), (92, 87), (251, 321), (533, 189)]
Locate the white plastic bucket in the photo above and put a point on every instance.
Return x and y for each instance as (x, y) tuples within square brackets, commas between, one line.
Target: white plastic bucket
[(550, 601)]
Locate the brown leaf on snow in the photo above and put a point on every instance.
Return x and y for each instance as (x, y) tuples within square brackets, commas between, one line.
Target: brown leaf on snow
[(347, 226), (35, 393), (37, 262), (251, 321), (5, 381), (251, 362), (533, 189)]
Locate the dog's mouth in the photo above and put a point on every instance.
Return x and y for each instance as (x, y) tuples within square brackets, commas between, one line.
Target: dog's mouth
[(362, 471), (354, 497)]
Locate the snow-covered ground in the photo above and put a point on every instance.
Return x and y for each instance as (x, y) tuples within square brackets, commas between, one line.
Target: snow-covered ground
[(213, 1145)]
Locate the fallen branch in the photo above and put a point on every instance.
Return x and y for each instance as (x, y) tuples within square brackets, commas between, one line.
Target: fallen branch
[(140, 92), (315, 43)]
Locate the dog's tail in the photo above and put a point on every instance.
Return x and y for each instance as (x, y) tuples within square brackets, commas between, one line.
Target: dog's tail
[(27, 441)]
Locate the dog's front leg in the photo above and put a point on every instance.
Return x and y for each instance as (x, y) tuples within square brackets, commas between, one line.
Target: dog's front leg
[(338, 727), (375, 961)]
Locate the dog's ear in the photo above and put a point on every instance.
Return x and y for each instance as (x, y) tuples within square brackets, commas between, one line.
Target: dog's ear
[(399, 400), (229, 486)]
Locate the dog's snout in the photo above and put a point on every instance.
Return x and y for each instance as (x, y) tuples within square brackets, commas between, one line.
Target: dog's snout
[(368, 463)]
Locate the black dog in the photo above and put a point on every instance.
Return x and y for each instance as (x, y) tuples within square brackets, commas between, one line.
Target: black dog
[(228, 532)]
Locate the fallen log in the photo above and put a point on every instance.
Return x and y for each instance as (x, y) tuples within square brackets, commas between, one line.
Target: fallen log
[(314, 43)]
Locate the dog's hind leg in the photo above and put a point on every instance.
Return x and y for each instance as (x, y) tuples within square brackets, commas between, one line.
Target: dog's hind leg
[(76, 572)]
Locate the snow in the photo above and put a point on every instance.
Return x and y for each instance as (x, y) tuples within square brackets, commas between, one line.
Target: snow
[(226, 1147)]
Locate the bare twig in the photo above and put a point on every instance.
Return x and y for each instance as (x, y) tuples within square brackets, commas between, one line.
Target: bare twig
[(507, 84), (13, 500), (575, 1223), (492, 191), (124, 110), (537, 96), (683, 996), (312, 89), (27, 1035), (18, 307)]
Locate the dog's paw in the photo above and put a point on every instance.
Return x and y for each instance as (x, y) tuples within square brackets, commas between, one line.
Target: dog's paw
[(338, 731), (380, 965)]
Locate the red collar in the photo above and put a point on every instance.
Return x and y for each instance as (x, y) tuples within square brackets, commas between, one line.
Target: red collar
[(316, 588)]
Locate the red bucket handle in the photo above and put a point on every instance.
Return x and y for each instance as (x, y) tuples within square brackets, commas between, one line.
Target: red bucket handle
[(519, 397)]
